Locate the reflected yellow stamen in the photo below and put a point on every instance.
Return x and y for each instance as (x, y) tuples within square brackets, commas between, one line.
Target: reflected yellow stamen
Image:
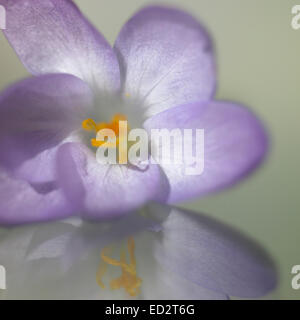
[(102, 270), (128, 279)]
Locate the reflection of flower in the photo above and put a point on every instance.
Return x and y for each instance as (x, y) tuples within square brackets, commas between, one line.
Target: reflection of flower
[(182, 256), (160, 74)]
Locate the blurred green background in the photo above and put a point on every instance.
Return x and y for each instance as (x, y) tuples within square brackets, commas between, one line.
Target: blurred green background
[(258, 55)]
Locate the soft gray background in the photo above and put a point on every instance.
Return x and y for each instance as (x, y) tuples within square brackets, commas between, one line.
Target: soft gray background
[(258, 55)]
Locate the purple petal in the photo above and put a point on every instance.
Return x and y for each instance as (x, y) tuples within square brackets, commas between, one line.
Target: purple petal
[(213, 255), (234, 145), (21, 203), (164, 284), (36, 115), (52, 36), (161, 283), (166, 59), (106, 191)]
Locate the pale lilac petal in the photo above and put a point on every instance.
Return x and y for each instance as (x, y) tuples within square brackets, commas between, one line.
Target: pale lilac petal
[(60, 260), (235, 143), (212, 255), (36, 115), (106, 191), (52, 36), (166, 59), (164, 284), (22, 203), (160, 283)]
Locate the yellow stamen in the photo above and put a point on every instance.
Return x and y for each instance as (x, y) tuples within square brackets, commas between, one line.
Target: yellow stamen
[(128, 279), (91, 125)]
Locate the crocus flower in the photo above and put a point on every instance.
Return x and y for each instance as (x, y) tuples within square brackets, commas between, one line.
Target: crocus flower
[(160, 74)]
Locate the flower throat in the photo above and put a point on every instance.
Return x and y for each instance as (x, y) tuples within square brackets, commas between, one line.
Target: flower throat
[(117, 138)]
